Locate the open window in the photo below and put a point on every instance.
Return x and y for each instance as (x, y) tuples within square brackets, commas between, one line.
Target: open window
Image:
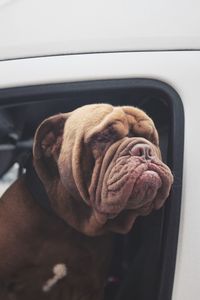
[(144, 260)]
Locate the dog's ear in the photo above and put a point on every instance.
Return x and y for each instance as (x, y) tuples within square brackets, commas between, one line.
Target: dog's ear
[(99, 139), (47, 143)]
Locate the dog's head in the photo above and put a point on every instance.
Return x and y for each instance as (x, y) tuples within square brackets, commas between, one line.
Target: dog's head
[(101, 167)]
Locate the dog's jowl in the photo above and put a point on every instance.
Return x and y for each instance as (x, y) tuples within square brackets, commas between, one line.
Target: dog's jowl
[(93, 172)]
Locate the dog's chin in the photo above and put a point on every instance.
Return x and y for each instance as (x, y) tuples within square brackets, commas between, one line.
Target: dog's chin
[(121, 217), (118, 214), (120, 223)]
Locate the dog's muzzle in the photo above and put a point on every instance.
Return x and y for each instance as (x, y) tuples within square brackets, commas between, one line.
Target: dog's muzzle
[(136, 179)]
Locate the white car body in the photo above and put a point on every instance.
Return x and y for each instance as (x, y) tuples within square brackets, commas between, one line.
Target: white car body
[(48, 41)]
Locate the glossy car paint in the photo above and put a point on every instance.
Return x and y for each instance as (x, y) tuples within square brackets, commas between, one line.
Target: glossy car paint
[(49, 27)]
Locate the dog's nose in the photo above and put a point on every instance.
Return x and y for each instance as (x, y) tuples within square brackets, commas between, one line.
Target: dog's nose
[(142, 150)]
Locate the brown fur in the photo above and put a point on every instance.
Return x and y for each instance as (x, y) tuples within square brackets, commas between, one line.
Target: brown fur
[(68, 152)]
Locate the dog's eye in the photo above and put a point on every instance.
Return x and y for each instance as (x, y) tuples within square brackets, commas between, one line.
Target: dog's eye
[(131, 134), (103, 138), (101, 141), (107, 135)]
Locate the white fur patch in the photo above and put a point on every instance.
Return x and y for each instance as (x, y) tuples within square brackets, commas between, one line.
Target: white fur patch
[(59, 271)]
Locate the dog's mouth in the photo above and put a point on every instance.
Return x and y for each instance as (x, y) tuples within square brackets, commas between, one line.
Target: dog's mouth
[(132, 183), (132, 188)]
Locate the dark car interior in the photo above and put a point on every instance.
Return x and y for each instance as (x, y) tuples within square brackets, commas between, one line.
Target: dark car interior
[(143, 262)]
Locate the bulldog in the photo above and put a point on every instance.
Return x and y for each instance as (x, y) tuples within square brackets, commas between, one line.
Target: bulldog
[(101, 168)]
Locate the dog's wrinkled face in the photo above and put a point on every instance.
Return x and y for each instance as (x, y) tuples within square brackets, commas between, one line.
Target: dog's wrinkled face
[(108, 160)]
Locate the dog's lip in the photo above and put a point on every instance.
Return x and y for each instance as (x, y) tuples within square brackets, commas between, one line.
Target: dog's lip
[(140, 197), (143, 164)]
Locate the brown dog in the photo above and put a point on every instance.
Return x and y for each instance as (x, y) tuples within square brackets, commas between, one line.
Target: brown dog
[(101, 168)]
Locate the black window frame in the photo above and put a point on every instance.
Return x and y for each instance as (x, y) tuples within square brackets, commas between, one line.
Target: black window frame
[(15, 96)]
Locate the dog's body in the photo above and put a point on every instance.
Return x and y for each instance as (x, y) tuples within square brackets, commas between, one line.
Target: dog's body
[(101, 168), (32, 242)]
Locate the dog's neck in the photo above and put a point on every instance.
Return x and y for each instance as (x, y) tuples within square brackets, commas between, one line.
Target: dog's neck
[(74, 217), (77, 216), (36, 188)]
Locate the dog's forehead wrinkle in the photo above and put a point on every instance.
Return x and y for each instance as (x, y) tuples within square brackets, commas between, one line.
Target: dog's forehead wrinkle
[(88, 112), (110, 126)]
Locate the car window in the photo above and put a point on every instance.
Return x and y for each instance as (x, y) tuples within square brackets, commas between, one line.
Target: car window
[(8, 178)]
